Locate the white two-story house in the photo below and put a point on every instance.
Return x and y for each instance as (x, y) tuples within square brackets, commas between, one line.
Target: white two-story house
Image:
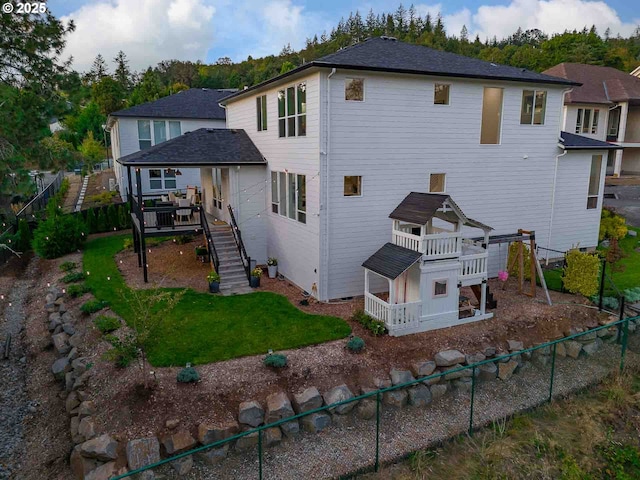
[(343, 140), (605, 107), (143, 126)]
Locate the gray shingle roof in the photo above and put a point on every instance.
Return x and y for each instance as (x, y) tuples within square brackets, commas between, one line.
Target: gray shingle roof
[(199, 103), (571, 141), (388, 55), (202, 147), (391, 260)]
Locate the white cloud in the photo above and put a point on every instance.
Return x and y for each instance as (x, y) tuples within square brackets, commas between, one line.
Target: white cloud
[(146, 30), (453, 23), (550, 16)]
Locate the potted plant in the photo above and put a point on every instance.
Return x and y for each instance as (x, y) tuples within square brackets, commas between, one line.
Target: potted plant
[(202, 252), (272, 266), (256, 273), (214, 281)]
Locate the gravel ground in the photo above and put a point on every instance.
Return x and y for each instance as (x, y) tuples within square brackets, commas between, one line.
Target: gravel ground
[(349, 444), (14, 403)]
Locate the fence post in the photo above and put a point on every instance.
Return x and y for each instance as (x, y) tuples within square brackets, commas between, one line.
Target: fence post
[(260, 454), (553, 371), (602, 276), (625, 336), (473, 394), (377, 464), (620, 318)]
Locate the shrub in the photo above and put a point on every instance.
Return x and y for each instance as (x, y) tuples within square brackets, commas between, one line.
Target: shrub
[(67, 266), (188, 375), (201, 251), (128, 243), (612, 225), (213, 276), (107, 324), (581, 273), (515, 265), (93, 306), (376, 327), (77, 290), (272, 261), (103, 198), (632, 295), (124, 351), (23, 238), (102, 224), (275, 360), (90, 220), (610, 303), (256, 272), (59, 235), (355, 344), (73, 277), (182, 239), (112, 217), (123, 216)]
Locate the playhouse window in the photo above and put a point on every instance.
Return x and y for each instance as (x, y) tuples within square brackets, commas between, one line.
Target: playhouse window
[(440, 288)]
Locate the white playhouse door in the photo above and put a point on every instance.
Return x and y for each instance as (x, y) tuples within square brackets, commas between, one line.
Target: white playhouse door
[(440, 293)]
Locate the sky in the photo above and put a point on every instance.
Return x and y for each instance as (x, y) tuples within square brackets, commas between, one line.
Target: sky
[(152, 30)]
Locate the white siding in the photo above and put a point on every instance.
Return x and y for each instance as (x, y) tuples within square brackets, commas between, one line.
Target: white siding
[(296, 245), (247, 188), (573, 224), (571, 114), (397, 136)]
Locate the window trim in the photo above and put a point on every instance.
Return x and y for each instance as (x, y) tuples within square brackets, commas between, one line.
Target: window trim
[(296, 115), (437, 84), (594, 121), (590, 195), (300, 214), (444, 188), (163, 179), (346, 79), (533, 107), (360, 183), (446, 286), (616, 112), (152, 122), (261, 113)]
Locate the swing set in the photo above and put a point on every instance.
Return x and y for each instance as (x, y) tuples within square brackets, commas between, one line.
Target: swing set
[(521, 237)]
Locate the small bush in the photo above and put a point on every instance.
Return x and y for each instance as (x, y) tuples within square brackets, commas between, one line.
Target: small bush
[(632, 295), (610, 303), (376, 327), (77, 290), (68, 266), (355, 344), (73, 277), (59, 235), (128, 243), (124, 351), (275, 360), (182, 239), (93, 306), (612, 225), (23, 238), (188, 375), (103, 198), (107, 324), (581, 273), (514, 271)]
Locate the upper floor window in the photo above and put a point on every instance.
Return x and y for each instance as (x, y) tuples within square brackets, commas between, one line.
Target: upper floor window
[(354, 89), (614, 123), (353, 186), (159, 132), (292, 111), (162, 179), (144, 134), (437, 183), (587, 120), (261, 112), (491, 115), (441, 94), (594, 182), (289, 195), (534, 105), (175, 130)]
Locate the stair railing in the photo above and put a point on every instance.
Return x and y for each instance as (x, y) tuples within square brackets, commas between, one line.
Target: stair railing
[(213, 254), (237, 236)]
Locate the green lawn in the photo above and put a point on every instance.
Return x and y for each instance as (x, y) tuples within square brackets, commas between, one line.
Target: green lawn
[(206, 328)]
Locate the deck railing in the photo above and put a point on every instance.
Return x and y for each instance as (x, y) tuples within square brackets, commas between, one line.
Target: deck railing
[(237, 236), (397, 316), (407, 240), (473, 265), (434, 245)]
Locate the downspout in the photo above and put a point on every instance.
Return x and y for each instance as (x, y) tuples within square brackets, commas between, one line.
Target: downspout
[(327, 146), (555, 179)]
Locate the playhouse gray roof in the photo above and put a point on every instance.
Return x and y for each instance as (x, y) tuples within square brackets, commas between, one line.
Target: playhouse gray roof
[(391, 260)]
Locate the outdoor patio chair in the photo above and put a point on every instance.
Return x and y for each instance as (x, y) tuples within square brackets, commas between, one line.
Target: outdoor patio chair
[(186, 212), (191, 193), (172, 197)]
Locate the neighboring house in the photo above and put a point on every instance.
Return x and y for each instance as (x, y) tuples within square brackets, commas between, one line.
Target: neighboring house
[(605, 107), (148, 124), (347, 137)]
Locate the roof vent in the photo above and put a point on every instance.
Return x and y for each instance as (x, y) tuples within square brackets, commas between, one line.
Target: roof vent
[(493, 64), (205, 89), (246, 87), (391, 39)]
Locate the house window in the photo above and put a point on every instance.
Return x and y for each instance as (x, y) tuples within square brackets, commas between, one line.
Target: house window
[(216, 174), (169, 178), (275, 195), (437, 182), (289, 195), (354, 89), (534, 105), (491, 116), (614, 123), (144, 134), (159, 132), (261, 112), (162, 179), (441, 94), (292, 110), (587, 120), (155, 179), (594, 182), (352, 186), (174, 130), (440, 288)]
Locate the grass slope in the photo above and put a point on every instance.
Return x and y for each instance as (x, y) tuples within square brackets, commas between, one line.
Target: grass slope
[(206, 328)]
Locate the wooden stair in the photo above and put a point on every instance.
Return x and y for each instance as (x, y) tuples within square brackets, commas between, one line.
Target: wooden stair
[(233, 278), (491, 302)]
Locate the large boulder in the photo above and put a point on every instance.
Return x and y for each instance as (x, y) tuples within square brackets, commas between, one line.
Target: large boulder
[(72, 402), (399, 377), (279, 407), (80, 365), (475, 358), (396, 398), (142, 452), (251, 413), (248, 441), (592, 347), (183, 465), (458, 372), (447, 358), (86, 408), (506, 369), (423, 369), (419, 395), (316, 422), (61, 343), (103, 472), (307, 400), (101, 448), (338, 394), (87, 428), (515, 345), (271, 436), (213, 456), (438, 391), (81, 465), (60, 367), (213, 433), (573, 348), (487, 371), (178, 442)]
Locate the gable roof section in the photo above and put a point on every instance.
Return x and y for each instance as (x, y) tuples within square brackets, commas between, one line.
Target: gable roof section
[(419, 208), (202, 147), (391, 260), (196, 103), (571, 141), (603, 85), (384, 54)]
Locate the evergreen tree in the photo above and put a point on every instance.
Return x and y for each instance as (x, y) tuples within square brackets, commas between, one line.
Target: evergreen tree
[(122, 73), (102, 224), (98, 69), (113, 221), (91, 221), (464, 34)]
